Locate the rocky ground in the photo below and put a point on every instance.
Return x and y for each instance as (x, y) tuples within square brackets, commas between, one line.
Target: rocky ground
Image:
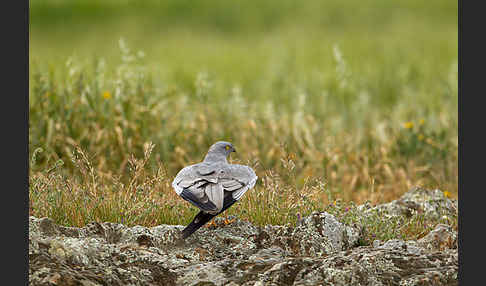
[(320, 250)]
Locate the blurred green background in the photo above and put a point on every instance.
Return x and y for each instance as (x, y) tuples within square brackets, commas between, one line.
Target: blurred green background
[(328, 78), (239, 40)]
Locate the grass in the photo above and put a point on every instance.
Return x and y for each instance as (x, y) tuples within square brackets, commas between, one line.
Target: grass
[(330, 107)]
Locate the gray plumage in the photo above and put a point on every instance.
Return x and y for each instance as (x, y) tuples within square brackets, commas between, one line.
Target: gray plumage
[(208, 184)]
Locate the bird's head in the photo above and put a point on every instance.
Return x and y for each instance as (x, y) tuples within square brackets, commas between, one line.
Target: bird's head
[(219, 150)]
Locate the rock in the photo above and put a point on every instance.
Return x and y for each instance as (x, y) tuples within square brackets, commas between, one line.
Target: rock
[(395, 244), (381, 266), (431, 203), (441, 238), (319, 234), (320, 250)]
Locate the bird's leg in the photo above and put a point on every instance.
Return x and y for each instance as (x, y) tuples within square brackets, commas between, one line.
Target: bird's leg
[(211, 223), (227, 221), (225, 218)]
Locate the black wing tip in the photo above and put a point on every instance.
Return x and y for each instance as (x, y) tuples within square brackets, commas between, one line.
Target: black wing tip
[(188, 196)]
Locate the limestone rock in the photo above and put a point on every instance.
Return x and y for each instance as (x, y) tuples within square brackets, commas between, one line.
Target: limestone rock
[(319, 250), (432, 203)]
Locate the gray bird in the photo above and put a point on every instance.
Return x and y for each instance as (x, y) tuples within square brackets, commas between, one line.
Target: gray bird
[(213, 185)]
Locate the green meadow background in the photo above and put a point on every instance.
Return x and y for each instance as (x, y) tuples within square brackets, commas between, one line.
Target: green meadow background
[(329, 101)]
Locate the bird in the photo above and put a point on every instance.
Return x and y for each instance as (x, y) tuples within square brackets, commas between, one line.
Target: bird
[(213, 185)]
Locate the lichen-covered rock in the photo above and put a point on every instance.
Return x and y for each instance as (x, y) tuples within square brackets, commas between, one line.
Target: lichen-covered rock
[(431, 203), (381, 266), (319, 234), (320, 250), (440, 238), (410, 246)]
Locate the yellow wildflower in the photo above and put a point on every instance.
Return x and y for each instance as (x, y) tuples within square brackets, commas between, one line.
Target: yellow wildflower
[(334, 203), (106, 95), (421, 137), (408, 125), (422, 122), (447, 194)]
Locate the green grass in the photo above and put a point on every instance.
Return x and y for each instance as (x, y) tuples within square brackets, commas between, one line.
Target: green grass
[(353, 100)]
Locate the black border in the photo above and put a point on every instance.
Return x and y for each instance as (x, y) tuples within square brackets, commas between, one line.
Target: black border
[(471, 129), (15, 140)]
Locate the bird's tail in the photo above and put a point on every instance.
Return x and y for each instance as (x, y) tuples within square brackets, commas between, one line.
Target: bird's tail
[(199, 220), (202, 218)]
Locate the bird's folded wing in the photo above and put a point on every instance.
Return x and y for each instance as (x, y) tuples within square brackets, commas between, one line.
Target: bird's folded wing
[(205, 205), (206, 170), (208, 198), (203, 191), (204, 186), (193, 175), (238, 179)]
